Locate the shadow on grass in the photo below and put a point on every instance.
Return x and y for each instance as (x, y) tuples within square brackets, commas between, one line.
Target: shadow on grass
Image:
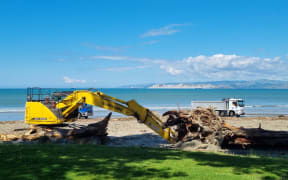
[(276, 167), (91, 161), (56, 161)]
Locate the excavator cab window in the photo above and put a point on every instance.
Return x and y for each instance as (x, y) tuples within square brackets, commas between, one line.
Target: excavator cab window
[(39, 94), (60, 95), (46, 95)]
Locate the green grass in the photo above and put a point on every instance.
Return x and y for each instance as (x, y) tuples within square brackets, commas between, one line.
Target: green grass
[(101, 162)]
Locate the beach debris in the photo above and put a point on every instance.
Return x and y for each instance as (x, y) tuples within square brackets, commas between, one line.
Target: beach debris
[(254, 137), (281, 116), (203, 129), (201, 125), (94, 133)]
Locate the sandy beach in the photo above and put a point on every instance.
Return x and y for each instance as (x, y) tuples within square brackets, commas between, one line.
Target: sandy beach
[(128, 132)]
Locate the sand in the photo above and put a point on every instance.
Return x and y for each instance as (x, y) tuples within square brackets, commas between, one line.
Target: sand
[(267, 123), (128, 132)]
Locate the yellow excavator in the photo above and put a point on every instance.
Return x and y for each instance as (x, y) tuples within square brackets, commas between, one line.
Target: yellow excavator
[(53, 107)]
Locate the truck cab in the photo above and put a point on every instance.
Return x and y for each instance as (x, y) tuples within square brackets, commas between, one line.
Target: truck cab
[(85, 110), (226, 107), (235, 106)]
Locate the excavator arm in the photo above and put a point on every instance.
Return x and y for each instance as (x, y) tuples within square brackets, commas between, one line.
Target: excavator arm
[(95, 99), (129, 108)]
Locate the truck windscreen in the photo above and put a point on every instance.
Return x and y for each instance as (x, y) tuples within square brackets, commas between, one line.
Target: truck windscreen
[(241, 103)]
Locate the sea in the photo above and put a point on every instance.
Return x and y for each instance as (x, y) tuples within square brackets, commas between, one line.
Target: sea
[(258, 102)]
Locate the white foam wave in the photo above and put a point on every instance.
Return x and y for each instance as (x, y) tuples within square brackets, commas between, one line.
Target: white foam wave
[(97, 109), (153, 108), (262, 106), (12, 110), (168, 107)]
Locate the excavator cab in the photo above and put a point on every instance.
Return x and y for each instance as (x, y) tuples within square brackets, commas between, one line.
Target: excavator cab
[(41, 105)]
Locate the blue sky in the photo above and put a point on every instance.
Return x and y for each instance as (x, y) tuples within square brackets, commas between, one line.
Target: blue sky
[(115, 43)]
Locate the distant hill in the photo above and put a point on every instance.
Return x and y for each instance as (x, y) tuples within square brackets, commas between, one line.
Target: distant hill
[(257, 84)]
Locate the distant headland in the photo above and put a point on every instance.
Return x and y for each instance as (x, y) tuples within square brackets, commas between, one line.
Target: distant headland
[(256, 84)]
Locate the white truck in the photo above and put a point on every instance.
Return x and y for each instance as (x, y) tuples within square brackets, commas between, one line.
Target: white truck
[(226, 107), (85, 110)]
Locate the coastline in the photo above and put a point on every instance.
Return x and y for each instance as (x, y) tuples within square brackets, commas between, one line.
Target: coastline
[(126, 131), (259, 102)]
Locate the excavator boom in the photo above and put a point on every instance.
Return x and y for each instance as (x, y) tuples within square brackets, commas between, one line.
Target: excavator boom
[(41, 113)]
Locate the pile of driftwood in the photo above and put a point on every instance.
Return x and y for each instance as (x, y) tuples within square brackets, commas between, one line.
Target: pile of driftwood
[(94, 133), (202, 128), (200, 125)]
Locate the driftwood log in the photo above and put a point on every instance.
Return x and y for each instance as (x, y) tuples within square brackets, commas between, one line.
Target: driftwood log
[(204, 126), (254, 137), (94, 133)]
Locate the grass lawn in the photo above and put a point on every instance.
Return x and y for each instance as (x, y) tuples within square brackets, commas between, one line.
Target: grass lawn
[(102, 162)]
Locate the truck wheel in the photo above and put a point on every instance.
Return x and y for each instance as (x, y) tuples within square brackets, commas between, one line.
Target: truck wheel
[(86, 117), (222, 113), (231, 113)]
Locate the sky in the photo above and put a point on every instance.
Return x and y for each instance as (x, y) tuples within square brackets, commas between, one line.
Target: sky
[(117, 43)]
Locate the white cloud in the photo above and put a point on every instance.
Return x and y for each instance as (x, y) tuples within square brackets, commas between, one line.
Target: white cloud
[(171, 70), (125, 68), (166, 30), (69, 80), (128, 58), (109, 57), (150, 42), (215, 67), (106, 48), (227, 67)]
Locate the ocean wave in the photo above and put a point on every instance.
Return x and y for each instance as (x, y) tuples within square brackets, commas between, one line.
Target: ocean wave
[(97, 109), (153, 108), (168, 107), (12, 110), (263, 106)]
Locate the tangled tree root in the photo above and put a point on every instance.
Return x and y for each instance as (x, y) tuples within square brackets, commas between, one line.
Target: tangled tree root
[(94, 133), (202, 128)]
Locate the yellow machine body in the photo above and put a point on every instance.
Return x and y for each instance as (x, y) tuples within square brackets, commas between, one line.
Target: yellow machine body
[(39, 113)]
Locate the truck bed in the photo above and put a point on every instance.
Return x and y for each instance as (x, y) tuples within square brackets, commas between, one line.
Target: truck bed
[(218, 105)]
